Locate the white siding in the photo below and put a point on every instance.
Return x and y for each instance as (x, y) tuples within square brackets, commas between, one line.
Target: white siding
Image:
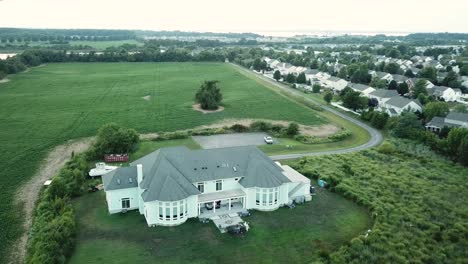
[(114, 199)]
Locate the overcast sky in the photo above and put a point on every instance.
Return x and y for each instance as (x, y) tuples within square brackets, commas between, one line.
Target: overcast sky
[(240, 15)]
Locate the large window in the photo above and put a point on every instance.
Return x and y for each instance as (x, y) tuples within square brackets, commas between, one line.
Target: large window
[(125, 203), (172, 210), (219, 185), (201, 187), (266, 196)]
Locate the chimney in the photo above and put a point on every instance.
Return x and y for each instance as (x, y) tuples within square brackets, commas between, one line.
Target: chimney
[(139, 173)]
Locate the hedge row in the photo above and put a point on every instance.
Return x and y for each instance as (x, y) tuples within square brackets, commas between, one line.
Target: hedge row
[(51, 238), (306, 139)]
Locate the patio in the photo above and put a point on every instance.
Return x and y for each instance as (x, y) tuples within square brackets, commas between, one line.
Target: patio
[(222, 222)]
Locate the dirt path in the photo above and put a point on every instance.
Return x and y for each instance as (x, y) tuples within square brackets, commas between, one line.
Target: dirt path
[(318, 131), (27, 195)]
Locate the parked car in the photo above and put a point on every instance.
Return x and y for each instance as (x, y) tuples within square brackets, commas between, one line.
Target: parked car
[(268, 140)]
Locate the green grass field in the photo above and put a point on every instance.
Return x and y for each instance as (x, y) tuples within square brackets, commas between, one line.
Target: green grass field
[(49, 105), (282, 236)]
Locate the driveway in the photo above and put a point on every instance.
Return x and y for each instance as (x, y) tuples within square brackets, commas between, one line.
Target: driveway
[(230, 140)]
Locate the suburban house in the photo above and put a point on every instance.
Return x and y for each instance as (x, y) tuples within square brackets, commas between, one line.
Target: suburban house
[(453, 119), (397, 104), (399, 78), (335, 83), (311, 74), (411, 82), (172, 184), (382, 75), (364, 89), (446, 93), (383, 95)]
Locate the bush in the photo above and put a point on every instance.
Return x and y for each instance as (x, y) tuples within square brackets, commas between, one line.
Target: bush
[(172, 135), (387, 148), (344, 133), (239, 128), (261, 126), (292, 129)]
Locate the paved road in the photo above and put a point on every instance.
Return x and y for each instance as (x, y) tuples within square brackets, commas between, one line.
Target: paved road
[(376, 136)]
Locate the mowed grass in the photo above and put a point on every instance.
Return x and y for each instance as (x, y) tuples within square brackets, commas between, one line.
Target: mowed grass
[(281, 236), (49, 105)]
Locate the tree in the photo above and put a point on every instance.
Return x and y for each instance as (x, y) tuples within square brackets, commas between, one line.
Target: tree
[(379, 119), (277, 75), (290, 78), (361, 75), (314, 64), (394, 53), (436, 109), (354, 100), (451, 80), (328, 96), (409, 73), (429, 73), (457, 144), (402, 88), (316, 88), (392, 68), (209, 95), (419, 88), (464, 70), (393, 85), (407, 126), (292, 129), (372, 102), (301, 78), (343, 73), (114, 139), (376, 82)]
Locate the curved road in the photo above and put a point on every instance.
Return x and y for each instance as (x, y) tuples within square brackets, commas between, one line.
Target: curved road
[(376, 136)]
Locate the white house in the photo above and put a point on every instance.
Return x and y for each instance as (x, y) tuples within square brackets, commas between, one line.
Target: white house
[(397, 104), (335, 83), (364, 89), (453, 119), (170, 185), (443, 92)]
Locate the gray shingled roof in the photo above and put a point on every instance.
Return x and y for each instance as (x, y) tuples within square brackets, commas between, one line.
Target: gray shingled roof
[(399, 78), (437, 121), (400, 102), (120, 178), (383, 93), (438, 90), (358, 86), (458, 116), (169, 174)]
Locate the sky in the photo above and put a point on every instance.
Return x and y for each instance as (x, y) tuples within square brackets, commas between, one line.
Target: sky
[(273, 16)]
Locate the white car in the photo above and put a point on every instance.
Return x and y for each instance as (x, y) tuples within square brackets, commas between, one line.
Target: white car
[(268, 140)]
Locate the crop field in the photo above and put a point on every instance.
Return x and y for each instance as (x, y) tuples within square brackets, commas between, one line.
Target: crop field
[(281, 236), (49, 105)]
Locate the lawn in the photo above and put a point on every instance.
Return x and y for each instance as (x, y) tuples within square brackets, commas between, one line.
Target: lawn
[(282, 236), (49, 105)]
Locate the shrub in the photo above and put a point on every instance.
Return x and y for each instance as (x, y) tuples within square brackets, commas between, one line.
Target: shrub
[(292, 129), (344, 133), (387, 148), (172, 135), (261, 126), (239, 128)]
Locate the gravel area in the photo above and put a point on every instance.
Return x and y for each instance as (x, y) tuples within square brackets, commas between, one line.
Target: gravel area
[(230, 140)]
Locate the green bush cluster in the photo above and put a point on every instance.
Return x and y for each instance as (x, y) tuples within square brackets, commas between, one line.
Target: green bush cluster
[(377, 119), (113, 139), (51, 238), (417, 200)]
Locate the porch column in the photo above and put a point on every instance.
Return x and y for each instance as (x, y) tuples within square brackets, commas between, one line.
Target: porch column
[(214, 207), (229, 204), (243, 202), (199, 210)]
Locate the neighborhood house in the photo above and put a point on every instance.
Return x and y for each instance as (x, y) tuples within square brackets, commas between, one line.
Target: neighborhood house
[(170, 185)]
